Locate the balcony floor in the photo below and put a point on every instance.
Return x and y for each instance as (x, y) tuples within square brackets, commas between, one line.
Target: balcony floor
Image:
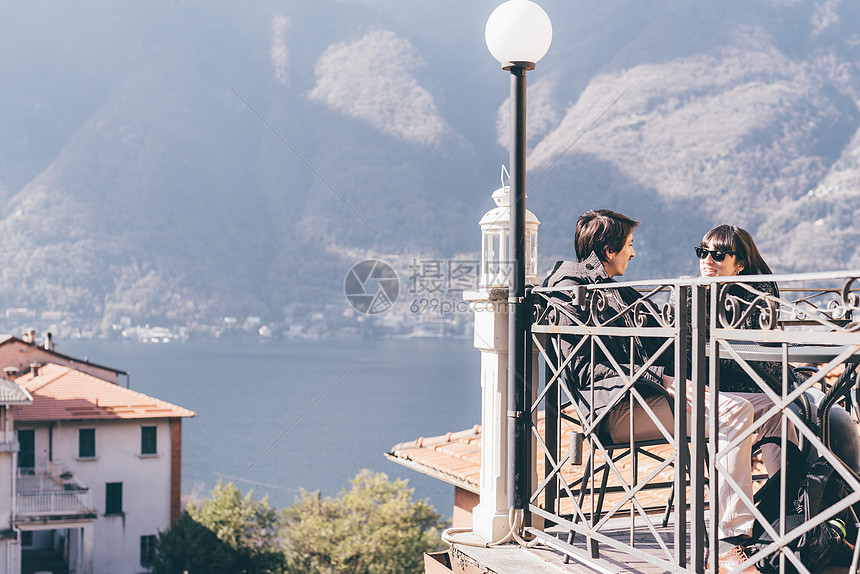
[(514, 559), (510, 558)]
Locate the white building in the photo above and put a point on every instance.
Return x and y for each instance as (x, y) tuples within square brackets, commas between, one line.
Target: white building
[(98, 472), (10, 395)]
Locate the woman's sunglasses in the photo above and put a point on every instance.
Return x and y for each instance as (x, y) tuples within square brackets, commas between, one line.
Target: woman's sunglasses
[(718, 255)]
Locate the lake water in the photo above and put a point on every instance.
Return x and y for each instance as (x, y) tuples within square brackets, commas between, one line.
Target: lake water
[(286, 415)]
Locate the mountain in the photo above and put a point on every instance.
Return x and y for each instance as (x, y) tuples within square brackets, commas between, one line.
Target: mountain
[(179, 162)]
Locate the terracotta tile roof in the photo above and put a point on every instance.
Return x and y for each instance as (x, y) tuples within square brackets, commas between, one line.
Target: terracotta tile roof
[(10, 393), (10, 339), (456, 459), (62, 393)]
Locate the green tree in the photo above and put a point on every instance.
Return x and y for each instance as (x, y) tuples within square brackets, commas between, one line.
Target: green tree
[(191, 548), (228, 534), (248, 526), (241, 522), (374, 528)]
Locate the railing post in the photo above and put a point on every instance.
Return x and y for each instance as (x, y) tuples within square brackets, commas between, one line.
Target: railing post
[(698, 533), (713, 376), (683, 463), (530, 393), (551, 437)]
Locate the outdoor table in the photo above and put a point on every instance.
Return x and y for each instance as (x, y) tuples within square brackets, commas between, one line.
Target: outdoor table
[(801, 353), (797, 353)]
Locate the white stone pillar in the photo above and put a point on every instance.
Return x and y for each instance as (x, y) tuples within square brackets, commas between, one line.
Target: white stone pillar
[(87, 541), (75, 540), (490, 516)]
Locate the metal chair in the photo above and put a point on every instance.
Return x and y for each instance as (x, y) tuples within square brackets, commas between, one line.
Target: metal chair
[(633, 449)]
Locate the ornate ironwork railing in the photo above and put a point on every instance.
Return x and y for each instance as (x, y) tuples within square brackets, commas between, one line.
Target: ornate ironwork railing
[(595, 467)]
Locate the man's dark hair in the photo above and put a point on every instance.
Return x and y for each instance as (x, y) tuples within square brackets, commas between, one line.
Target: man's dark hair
[(601, 231)]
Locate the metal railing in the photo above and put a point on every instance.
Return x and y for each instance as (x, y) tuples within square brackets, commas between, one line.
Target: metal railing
[(55, 503), (51, 492), (686, 326)]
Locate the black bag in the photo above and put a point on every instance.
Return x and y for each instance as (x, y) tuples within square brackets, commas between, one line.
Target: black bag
[(810, 489)]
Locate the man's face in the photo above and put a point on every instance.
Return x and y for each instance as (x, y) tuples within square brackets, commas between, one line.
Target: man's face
[(616, 262)]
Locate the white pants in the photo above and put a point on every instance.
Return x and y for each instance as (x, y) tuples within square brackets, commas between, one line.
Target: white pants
[(770, 453), (737, 412)]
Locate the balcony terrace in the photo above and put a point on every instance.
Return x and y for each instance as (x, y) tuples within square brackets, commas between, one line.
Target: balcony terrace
[(544, 491), (51, 494)]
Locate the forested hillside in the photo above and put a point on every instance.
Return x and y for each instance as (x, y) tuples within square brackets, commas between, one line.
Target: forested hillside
[(178, 162)]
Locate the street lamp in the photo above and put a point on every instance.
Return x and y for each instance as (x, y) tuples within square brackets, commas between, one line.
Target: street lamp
[(518, 34)]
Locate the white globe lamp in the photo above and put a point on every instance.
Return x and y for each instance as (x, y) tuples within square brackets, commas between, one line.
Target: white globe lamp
[(518, 33)]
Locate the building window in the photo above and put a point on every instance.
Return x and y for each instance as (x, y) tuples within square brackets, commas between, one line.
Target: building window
[(86, 443), (147, 551), (148, 440), (113, 498), (26, 538), (27, 452)]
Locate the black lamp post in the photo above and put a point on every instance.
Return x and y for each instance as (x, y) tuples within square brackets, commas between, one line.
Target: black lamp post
[(518, 34)]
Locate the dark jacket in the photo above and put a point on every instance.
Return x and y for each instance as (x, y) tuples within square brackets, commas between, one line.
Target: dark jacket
[(733, 378), (607, 381)]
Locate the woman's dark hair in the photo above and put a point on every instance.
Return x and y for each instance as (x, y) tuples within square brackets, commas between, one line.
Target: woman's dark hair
[(601, 231), (738, 240)]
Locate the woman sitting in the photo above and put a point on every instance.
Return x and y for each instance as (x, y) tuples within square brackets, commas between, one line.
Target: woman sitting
[(727, 250)]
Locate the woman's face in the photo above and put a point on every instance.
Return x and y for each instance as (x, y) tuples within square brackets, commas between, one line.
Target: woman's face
[(710, 267), (616, 262)]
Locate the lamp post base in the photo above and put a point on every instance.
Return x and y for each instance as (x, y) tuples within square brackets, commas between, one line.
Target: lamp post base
[(489, 523)]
